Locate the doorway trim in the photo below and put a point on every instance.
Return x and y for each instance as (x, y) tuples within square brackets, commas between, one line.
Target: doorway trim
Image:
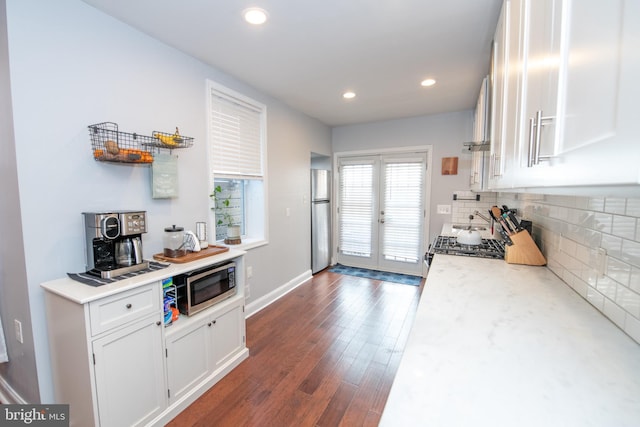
[(428, 149)]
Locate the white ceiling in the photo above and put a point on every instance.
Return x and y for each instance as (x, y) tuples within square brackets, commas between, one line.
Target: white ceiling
[(309, 52)]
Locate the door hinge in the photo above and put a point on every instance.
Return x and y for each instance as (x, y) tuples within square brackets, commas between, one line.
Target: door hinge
[(169, 393), (244, 339), (94, 358), (166, 353)]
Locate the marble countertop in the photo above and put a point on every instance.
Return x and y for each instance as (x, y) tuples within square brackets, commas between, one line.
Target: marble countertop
[(82, 294), (497, 344)]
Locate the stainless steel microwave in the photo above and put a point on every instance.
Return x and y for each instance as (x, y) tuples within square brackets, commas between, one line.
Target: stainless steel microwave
[(200, 289)]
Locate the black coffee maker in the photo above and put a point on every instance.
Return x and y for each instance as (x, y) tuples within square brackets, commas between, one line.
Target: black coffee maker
[(114, 242)]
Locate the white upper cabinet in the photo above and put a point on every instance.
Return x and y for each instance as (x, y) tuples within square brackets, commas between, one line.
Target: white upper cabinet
[(505, 77), (540, 67), (570, 83), (478, 176)]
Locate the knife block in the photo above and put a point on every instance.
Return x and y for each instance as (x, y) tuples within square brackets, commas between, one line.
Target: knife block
[(524, 250)]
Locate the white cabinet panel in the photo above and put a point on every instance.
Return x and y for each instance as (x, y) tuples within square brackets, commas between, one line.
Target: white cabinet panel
[(125, 307), (189, 358), (200, 346), (129, 374), (228, 335), (505, 95), (479, 173)]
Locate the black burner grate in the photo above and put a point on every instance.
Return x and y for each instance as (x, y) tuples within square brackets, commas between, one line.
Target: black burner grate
[(448, 245)]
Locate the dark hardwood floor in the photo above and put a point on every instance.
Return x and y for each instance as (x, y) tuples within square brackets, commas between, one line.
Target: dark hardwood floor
[(323, 355)]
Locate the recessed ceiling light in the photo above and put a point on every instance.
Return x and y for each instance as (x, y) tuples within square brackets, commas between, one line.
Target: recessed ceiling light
[(349, 95), (428, 82), (255, 16)]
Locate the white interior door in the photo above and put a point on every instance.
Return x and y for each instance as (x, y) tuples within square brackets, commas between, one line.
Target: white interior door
[(381, 212)]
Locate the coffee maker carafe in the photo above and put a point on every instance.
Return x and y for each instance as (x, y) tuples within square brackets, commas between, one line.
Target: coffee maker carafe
[(114, 242)]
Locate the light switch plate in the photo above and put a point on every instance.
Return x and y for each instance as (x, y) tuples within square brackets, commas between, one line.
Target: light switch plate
[(18, 327)]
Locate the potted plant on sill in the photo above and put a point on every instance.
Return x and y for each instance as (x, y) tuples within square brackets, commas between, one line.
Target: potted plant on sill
[(224, 217)]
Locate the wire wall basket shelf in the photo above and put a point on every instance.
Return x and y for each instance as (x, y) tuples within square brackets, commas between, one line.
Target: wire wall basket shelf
[(111, 145)]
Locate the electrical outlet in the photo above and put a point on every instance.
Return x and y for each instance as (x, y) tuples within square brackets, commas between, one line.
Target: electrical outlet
[(247, 290), (249, 272), (444, 209), (601, 262), (18, 327)]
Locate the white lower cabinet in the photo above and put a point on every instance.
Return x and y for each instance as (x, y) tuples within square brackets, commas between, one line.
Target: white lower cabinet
[(198, 347), (129, 374), (107, 357), (115, 363)]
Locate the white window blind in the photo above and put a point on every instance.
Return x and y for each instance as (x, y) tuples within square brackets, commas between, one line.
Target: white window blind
[(403, 211), (356, 209), (236, 136)]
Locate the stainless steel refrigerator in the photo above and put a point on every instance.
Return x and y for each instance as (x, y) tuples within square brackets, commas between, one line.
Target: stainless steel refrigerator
[(320, 219)]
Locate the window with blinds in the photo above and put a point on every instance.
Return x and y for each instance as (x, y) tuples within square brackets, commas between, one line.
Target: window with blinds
[(403, 211), (237, 142), (356, 209), (236, 135)]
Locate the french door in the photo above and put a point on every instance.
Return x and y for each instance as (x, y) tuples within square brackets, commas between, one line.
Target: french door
[(381, 212)]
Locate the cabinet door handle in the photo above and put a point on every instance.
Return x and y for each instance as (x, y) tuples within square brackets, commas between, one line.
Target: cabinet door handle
[(214, 322), (129, 306), (158, 323), (532, 127), (536, 155), (209, 324), (540, 121)]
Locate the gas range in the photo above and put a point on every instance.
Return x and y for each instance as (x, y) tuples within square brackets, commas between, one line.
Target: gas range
[(448, 245)]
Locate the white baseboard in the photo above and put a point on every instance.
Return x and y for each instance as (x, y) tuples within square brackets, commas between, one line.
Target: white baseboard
[(257, 305), (8, 394)]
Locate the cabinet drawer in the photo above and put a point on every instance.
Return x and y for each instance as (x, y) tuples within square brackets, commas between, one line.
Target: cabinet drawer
[(125, 307)]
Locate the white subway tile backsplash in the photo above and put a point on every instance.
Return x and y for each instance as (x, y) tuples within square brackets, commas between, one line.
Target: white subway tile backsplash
[(618, 271), (629, 300), (631, 252), (590, 275), (615, 205), (595, 298), (607, 287), (461, 209), (579, 286), (570, 231), (624, 226), (632, 327), (596, 204), (584, 254), (634, 281), (612, 244), (614, 312), (633, 207), (602, 222)]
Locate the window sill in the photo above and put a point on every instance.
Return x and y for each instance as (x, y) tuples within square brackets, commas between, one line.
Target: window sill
[(247, 243)]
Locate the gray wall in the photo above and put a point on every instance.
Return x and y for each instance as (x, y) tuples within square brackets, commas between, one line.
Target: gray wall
[(446, 133), (20, 372), (73, 66)]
